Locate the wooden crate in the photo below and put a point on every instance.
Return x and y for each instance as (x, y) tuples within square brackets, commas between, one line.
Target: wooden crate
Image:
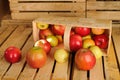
[(106, 68), (103, 9), (32, 9), (69, 23)]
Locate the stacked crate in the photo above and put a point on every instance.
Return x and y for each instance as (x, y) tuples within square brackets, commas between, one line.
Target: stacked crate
[(103, 9), (31, 9)]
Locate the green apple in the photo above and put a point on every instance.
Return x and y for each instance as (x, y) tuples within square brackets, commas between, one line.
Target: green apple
[(42, 25), (96, 51), (88, 43), (86, 37), (53, 40), (61, 55)]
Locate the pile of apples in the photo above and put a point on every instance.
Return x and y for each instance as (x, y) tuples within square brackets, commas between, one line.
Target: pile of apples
[(80, 37), (85, 42), (82, 40)]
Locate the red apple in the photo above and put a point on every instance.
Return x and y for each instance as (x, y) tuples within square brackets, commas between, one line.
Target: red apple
[(85, 59), (36, 57), (101, 41), (44, 33), (83, 31), (12, 54), (75, 42), (58, 29), (43, 43), (72, 32)]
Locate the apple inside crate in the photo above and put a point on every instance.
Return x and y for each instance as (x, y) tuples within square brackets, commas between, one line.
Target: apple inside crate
[(74, 32)]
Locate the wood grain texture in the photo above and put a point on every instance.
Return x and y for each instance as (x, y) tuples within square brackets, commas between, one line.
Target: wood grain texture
[(112, 15), (103, 5), (13, 41), (111, 68), (116, 38)]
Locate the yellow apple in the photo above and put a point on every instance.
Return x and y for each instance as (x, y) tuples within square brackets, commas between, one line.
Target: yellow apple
[(86, 37), (96, 51), (88, 43), (61, 55), (42, 25)]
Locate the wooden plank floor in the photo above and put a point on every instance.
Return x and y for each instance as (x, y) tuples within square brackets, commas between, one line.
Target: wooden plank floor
[(106, 68)]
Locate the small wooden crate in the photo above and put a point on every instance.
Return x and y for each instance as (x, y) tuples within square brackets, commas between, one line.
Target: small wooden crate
[(69, 23), (32, 9), (103, 9)]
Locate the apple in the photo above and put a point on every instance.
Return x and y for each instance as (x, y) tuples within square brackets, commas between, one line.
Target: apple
[(42, 25), (96, 51), (43, 43), (44, 33), (85, 59), (58, 29), (53, 40), (12, 54), (86, 37), (75, 42), (88, 43), (101, 40), (60, 38), (97, 31), (72, 32), (82, 31), (61, 55), (36, 57)]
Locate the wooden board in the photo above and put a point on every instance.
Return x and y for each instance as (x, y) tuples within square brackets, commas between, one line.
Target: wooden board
[(106, 68)]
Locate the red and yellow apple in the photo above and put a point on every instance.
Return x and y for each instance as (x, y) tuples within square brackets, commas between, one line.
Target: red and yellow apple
[(44, 33), (36, 57), (85, 59), (88, 43), (58, 29), (43, 43)]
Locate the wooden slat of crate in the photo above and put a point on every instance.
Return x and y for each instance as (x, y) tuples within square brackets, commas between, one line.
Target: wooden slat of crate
[(111, 67), (46, 70), (29, 15), (97, 71), (5, 32), (78, 74), (14, 40), (47, 0), (103, 9), (116, 38), (113, 15), (103, 5), (47, 7), (60, 68)]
